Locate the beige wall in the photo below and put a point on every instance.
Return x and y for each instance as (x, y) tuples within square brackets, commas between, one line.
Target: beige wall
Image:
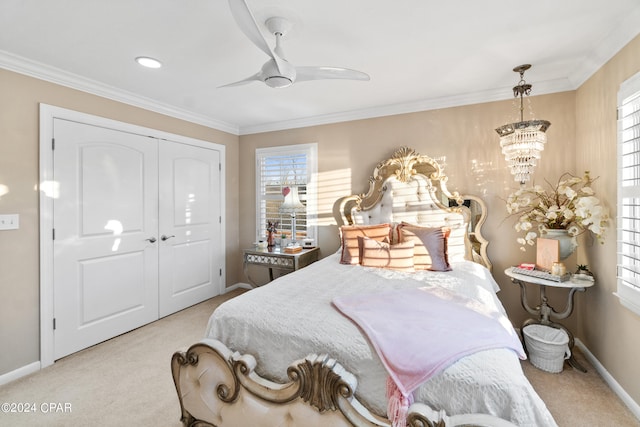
[(610, 331), (349, 151), (19, 249)]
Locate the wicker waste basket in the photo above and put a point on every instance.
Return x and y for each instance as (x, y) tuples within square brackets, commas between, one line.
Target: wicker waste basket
[(548, 347)]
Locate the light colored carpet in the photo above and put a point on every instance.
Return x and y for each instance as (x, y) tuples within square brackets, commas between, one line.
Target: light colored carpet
[(124, 381), (579, 399), (127, 381)]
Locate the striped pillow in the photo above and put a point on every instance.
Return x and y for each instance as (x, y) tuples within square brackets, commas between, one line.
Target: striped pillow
[(383, 255), (350, 233), (430, 251)]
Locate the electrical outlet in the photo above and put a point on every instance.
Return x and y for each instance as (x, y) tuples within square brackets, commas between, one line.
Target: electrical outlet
[(9, 222)]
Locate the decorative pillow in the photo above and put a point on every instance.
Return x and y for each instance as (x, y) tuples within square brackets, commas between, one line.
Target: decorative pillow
[(350, 233), (430, 252), (378, 254)]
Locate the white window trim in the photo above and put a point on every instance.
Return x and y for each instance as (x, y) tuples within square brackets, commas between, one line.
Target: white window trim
[(629, 295), (311, 150)]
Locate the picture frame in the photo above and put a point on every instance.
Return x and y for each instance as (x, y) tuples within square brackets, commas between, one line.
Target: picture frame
[(547, 253)]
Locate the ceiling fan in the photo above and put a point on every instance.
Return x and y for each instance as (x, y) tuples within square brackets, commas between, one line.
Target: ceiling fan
[(277, 72)]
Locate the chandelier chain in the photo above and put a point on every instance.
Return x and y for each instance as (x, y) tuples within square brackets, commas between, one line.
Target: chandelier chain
[(523, 141)]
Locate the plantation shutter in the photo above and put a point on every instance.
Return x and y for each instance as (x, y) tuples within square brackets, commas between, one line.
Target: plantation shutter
[(277, 168), (628, 233)]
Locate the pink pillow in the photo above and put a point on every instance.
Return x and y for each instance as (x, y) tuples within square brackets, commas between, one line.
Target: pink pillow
[(430, 251), (350, 234), (383, 255)]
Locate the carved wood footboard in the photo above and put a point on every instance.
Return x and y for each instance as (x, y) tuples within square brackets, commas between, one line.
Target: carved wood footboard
[(220, 388)]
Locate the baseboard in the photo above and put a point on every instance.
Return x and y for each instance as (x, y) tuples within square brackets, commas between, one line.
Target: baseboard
[(19, 373), (36, 366), (238, 285), (611, 382)]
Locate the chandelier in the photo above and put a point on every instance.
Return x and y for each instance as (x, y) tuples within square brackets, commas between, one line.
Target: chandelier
[(522, 141)]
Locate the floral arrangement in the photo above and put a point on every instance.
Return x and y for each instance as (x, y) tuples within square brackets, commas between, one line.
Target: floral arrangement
[(569, 205)]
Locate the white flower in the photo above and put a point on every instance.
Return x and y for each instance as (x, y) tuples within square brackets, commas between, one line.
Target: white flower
[(570, 192), (570, 205), (587, 190), (568, 214), (576, 180)]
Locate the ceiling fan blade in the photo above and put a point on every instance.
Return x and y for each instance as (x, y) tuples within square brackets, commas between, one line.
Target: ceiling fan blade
[(256, 77), (321, 73), (247, 23)]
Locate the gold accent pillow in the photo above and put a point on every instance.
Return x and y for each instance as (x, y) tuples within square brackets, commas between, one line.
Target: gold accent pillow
[(350, 233), (383, 255)]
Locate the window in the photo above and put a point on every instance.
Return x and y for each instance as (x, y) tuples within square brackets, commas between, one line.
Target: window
[(629, 194), (280, 171)]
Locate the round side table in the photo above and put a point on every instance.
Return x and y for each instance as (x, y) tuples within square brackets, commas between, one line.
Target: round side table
[(544, 312)]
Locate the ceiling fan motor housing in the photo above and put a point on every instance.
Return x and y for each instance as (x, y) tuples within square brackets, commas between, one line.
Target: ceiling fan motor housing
[(278, 79)]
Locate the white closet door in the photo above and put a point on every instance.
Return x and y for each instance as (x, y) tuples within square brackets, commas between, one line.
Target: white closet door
[(105, 221), (190, 228)]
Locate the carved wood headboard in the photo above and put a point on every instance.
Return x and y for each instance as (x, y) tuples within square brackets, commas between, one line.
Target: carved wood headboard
[(411, 187)]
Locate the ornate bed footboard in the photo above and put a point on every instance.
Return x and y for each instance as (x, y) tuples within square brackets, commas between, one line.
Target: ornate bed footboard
[(217, 387)]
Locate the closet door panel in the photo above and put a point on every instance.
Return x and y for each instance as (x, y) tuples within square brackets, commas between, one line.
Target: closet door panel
[(105, 216), (190, 225)]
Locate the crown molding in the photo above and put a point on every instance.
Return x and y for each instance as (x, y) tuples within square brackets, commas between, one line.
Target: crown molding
[(608, 47), (542, 88), (55, 75)]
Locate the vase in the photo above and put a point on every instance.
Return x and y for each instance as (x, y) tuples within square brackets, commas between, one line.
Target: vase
[(568, 244)]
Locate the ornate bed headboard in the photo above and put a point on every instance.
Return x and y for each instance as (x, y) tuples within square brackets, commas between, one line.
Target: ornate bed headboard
[(412, 188)]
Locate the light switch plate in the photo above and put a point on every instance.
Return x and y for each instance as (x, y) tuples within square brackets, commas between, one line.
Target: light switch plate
[(9, 222)]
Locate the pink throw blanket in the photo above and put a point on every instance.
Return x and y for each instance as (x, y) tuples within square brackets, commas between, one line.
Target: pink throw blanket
[(419, 332)]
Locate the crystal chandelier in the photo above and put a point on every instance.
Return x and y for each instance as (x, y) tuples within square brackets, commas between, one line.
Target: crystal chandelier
[(522, 141)]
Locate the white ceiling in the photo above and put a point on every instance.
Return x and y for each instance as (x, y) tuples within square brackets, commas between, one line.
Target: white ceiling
[(420, 54)]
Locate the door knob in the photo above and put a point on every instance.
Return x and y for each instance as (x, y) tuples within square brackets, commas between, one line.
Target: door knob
[(165, 238), (151, 240)]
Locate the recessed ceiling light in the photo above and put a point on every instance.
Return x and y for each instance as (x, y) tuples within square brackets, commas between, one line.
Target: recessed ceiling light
[(145, 61)]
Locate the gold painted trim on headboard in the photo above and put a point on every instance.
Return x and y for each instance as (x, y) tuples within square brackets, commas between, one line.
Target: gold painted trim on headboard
[(405, 163)]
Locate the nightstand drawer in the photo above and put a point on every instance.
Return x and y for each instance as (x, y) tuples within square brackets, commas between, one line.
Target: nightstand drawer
[(277, 259)]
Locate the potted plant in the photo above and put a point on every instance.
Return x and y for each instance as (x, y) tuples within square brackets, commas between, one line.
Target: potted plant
[(583, 272)]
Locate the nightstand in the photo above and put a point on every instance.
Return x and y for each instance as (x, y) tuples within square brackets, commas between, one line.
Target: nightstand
[(544, 311), (277, 259)]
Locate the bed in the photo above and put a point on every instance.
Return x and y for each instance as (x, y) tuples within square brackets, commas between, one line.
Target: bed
[(289, 354)]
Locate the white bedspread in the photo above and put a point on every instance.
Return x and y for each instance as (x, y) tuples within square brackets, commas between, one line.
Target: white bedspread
[(293, 316)]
